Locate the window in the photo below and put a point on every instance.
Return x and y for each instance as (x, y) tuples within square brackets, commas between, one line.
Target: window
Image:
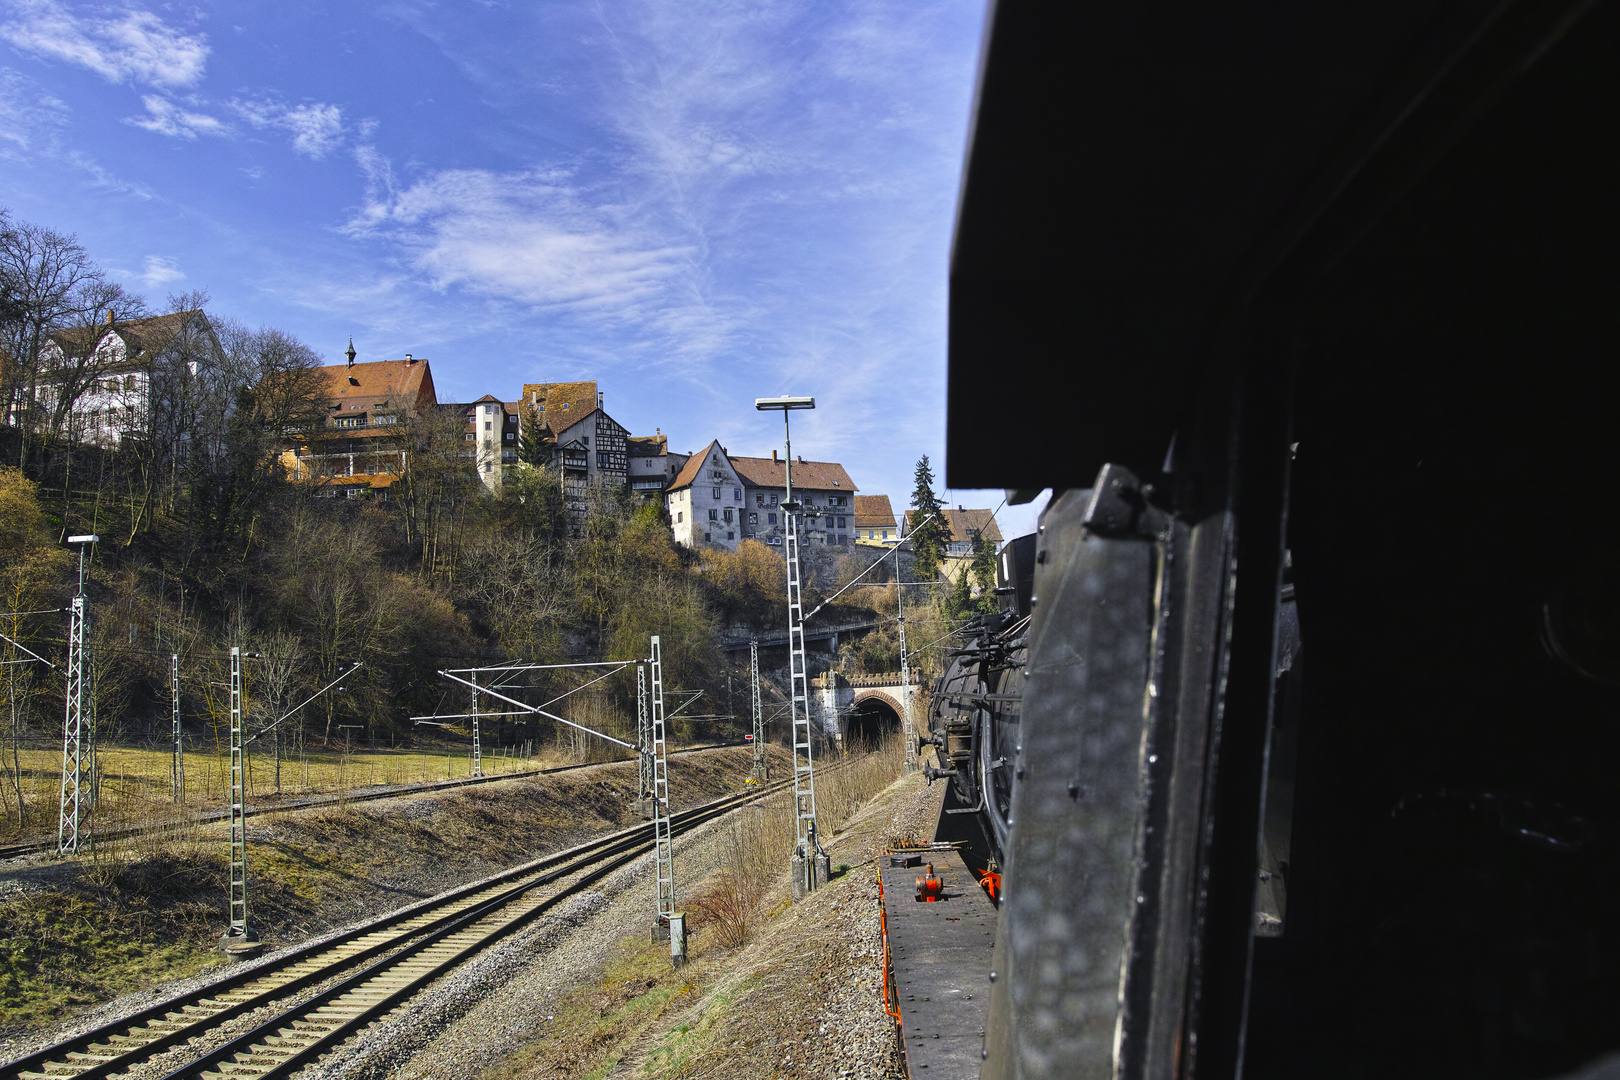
[(680, 516), (716, 492), (129, 382), (759, 499), (773, 500), (842, 539), (841, 523), (772, 518), (470, 436), (736, 493), (885, 534), (731, 536), (753, 519), (728, 515), (714, 515), (489, 425), (511, 436), (708, 536)]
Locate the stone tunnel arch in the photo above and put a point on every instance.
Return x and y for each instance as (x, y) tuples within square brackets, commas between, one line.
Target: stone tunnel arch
[(873, 715)]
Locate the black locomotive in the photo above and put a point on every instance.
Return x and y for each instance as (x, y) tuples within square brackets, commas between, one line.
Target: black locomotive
[(1302, 758)]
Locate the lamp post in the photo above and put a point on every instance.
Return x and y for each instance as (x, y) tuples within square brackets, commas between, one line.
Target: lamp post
[(810, 865)]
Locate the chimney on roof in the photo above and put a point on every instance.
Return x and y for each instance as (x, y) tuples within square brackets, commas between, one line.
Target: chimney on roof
[(773, 455), (599, 399), (109, 316)]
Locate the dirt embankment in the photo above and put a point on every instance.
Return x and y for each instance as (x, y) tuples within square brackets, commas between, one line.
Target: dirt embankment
[(76, 934)]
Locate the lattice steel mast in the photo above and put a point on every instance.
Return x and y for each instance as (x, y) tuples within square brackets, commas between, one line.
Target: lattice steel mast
[(908, 728), (78, 758), (660, 790), (804, 774), (177, 771), (478, 752), (761, 770), (644, 746), (238, 890)]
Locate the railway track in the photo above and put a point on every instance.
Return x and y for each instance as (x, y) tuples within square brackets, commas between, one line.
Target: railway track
[(327, 991), (29, 847)]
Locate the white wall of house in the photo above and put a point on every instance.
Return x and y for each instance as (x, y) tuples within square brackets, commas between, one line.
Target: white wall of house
[(709, 510)]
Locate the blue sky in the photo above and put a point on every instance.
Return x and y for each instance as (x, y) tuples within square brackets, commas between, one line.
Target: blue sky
[(695, 203)]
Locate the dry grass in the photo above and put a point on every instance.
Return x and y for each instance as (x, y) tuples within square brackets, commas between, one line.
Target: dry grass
[(757, 843), (134, 787)]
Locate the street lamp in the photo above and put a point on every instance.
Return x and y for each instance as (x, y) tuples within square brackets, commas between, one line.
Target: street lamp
[(810, 864), (787, 404)]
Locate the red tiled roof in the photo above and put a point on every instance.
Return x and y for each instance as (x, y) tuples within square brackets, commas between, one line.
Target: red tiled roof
[(562, 404), (873, 512), (962, 524), (811, 475), (143, 338), (399, 382), (693, 464)]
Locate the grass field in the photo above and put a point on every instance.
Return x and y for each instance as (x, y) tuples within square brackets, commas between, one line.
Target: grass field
[(134, 785)]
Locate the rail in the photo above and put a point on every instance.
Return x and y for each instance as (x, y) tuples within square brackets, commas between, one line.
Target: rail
[(402, 952)]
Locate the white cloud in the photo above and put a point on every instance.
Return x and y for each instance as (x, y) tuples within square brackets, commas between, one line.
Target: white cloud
[(532, 236), (132, 46), (28, 115), (316, 129), (159, 270), (166, 118)]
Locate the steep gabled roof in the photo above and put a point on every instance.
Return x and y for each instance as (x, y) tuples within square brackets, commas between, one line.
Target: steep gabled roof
[(561, 404), (873, 512), (401, 381), (694, 465), (812, 475), (964, 523), (143, 338)]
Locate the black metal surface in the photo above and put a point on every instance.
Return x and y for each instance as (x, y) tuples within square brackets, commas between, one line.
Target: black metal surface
[(1071, 882), (941, 956)]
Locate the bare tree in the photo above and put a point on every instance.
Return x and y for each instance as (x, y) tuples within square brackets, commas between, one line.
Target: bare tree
[(51, 285)]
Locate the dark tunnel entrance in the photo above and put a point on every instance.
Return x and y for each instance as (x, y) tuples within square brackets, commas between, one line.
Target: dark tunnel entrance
[(870, 721)]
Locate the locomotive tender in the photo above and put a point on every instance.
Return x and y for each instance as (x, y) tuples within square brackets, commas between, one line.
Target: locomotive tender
[(1307, 314)]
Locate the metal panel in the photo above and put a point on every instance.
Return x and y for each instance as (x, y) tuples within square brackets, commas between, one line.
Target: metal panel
[(1071, 884), (941, 954)]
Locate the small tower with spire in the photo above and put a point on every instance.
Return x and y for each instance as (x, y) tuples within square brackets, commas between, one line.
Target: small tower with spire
[(350, 353)]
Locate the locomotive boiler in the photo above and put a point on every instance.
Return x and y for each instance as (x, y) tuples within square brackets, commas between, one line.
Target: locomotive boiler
[(1297, 751)]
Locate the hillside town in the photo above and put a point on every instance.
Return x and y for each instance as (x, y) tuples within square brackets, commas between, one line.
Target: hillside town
[(120, 380)]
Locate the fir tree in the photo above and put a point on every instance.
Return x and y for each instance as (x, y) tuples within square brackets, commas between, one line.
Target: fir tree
[(983, 569), (927, 536), (534, 443)]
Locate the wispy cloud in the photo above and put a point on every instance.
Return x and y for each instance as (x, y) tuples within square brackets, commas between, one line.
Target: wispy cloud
[(316, 129), (159, 270), (536, 237), (164, 117), (132, 46), (28, 115)]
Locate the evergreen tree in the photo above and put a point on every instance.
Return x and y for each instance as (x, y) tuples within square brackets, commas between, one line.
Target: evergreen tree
[(983, 569), (534, 445), (927, 536)]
